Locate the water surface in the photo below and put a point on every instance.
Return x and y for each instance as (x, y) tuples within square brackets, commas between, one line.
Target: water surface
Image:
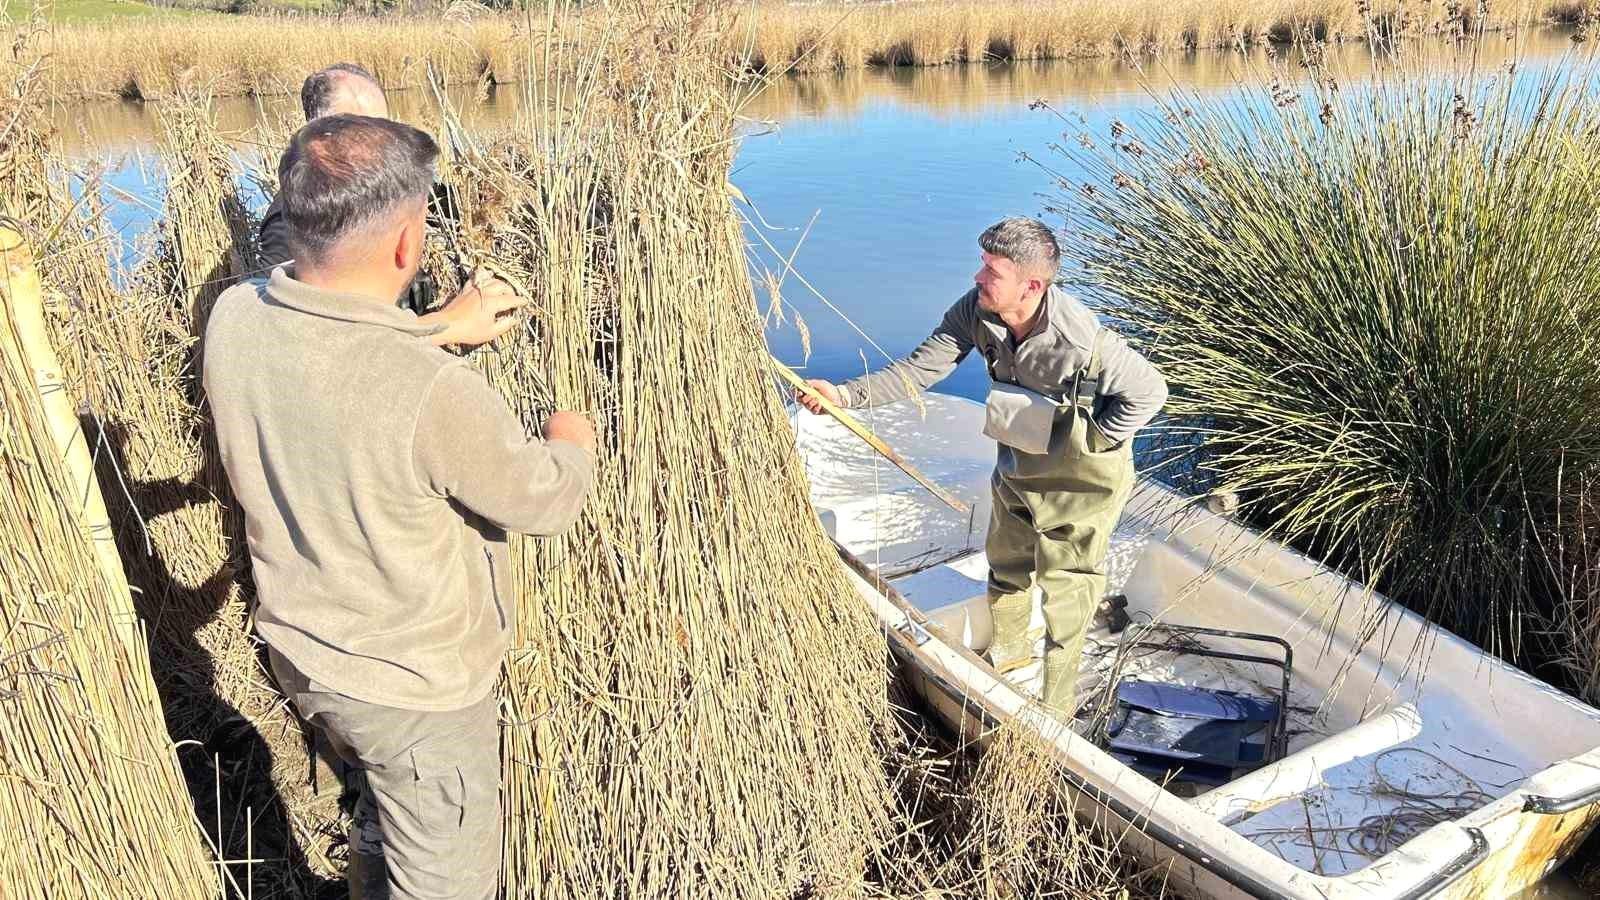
[(875, 182)]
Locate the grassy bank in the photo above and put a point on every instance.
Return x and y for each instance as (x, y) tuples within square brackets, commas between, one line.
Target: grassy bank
[(248, 54), (1377, 304), (80, 11)]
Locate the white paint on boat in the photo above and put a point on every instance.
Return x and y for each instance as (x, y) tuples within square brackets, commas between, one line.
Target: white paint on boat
[(1380, 702)]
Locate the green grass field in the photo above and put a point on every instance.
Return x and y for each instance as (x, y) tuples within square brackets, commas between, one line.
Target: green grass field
[(87, 10)]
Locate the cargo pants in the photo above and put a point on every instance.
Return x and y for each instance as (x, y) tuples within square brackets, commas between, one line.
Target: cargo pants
[(1050, 525), (426, 822)]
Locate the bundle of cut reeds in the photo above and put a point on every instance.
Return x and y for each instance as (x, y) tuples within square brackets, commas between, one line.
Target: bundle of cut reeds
[(127, 341), (92, 799), (695, 706)]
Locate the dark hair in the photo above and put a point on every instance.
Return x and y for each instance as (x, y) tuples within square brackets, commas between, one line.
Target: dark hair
[(344, 172), (319, 87), (1027, 242)]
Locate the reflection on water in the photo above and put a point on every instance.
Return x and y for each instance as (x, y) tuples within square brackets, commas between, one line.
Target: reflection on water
[(976, 89), (98, 127)]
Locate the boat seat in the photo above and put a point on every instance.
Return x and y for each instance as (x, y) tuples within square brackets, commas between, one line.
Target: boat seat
[(954, 597), (1190, 733), (970, 620), (1303, 769)]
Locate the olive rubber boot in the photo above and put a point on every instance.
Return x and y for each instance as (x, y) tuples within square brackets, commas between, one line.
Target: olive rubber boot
[(1060, 691), (1012, 646)]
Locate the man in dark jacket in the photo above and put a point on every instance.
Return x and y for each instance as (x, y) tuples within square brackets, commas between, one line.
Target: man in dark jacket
[(340, 88)]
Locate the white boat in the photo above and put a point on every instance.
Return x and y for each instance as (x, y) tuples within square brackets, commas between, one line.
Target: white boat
[(1383, 712)]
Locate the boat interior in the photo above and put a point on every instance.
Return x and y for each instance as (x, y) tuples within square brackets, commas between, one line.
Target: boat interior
[(1386, 727)]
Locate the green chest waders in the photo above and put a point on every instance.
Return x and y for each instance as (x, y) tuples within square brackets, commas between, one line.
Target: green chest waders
[(1050, 526)]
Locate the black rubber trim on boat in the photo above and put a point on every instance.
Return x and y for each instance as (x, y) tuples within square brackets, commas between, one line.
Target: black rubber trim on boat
[(1555, 806), (904, 645)]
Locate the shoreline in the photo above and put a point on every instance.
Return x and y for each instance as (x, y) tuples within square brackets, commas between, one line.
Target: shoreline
[(244, 56)]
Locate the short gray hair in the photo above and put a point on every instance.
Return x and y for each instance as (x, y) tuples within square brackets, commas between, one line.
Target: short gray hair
[(1027, 242)]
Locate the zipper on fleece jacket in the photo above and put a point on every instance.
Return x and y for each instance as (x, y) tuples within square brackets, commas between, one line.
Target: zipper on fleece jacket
[(494, 588)]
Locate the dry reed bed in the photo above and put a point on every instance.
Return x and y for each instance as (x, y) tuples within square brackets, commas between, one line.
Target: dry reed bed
[(996, 822), (267, 56), (262, 55), (90, 779), (127, 341), (964, 90), (828, 36)]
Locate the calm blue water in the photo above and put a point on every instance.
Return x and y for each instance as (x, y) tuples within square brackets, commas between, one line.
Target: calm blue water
[(895, 172)]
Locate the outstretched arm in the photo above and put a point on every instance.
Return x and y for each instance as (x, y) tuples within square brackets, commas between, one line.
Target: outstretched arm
[(933, 360), (470, 447)]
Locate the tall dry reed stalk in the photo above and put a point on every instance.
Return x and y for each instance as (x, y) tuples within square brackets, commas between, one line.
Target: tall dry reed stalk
[(1376, 303)]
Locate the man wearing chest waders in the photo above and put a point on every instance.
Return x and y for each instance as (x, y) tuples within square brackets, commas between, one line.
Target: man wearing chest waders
[(1066, 397)]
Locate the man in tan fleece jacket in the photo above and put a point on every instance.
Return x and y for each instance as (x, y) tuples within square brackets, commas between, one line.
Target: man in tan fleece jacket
[(379, 475)]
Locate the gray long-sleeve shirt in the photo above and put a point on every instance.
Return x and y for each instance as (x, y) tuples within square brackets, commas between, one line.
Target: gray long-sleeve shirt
[(1130, 393)]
